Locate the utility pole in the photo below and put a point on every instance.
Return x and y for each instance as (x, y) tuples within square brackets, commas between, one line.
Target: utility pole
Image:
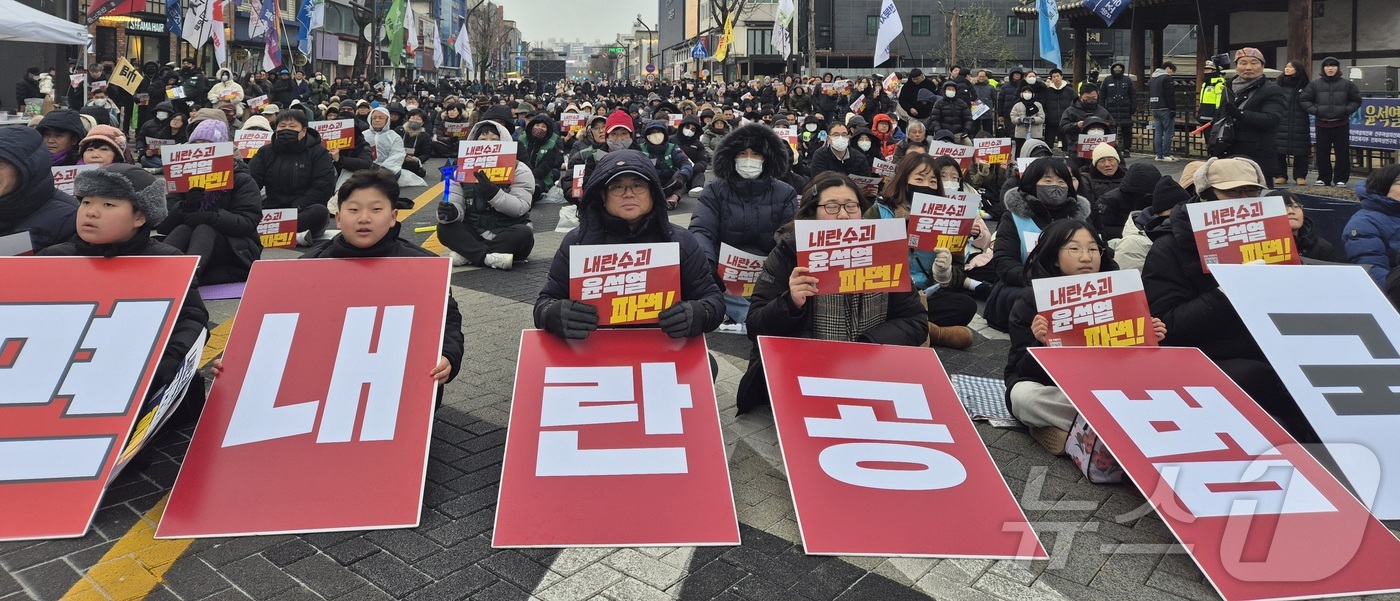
[(811, 37)]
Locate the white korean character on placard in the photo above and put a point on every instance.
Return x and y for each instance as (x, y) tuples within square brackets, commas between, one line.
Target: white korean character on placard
[(610, 399), (817, 261), (1061, 320), (636, 282), (862, 256), (592, 288)]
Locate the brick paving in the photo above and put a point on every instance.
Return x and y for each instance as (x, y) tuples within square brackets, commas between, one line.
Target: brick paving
[(1103, 544)]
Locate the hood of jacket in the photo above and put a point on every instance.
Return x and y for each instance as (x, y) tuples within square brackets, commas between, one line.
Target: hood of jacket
[(883, 118), (1018, 203), (1141, 179), (499, 113), (595, 223), (552, 128), (500, 130), (24, 148), (1377, 202), (758, 137), (1031, 145), (1092, 121)]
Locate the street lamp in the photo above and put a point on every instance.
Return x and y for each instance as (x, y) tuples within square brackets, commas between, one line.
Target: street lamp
[(651, 33)]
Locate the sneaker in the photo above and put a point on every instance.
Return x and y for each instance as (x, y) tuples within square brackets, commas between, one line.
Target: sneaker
[(1169, 159), (503, 261), (733, 328), (305, 239), (457, 260), (1052, 439), (695, 192), (1341, 184), (1319, 183)]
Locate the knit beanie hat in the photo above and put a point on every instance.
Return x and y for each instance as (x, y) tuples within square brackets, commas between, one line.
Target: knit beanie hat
[(1140, 179), (209, 130), (620, 119), (105, 134), (125, 181), (1104, 151)]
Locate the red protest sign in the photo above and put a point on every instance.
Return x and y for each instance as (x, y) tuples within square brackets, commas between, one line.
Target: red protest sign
[(572, 121), (788, 134), (738, 270), (870, 425), (77, 355), (962, 154), (207, 166), (157, 143), (257, 102), (993, 151), (322, 416), (1087, 143), (249, 141), (1095, 309), (278, 228), (1259, 515), (63, 177), (497, 159), (456, 129), (853, 256), (614, 441), (337, 134), (674, 121), (937, 222), (882, 168), (580, 172), (628, 283), (1244, 230)]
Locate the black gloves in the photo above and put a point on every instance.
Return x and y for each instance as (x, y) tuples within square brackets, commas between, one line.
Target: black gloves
[(485, 190), (448, 213), (201, 218), (193, 198), (685, 319), (1232, 110), (677, 181), (571, 320)]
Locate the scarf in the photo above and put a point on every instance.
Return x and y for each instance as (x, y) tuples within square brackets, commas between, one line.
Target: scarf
[(846, 316), (60, 157)]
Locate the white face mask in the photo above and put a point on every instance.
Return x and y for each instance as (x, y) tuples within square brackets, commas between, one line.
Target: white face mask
[(1031, 80), (162, 115), (950, 93), (688, 132), (840, 144), (863, 145), (748, 168), (656, 137), (1028, 96), (950, 187), (811, 127), (223, 78)]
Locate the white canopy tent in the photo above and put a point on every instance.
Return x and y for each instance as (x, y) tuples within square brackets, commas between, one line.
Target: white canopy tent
[(19, 23)]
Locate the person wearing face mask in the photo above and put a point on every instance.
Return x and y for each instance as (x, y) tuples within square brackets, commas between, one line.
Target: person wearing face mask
[(592, 142), (1055, 96), (714, 133), (952, 112), (1029, 118), (1007, 97), (811, 137), (916, 135), (687, 138), (225, 89), (868, 143), (1093, 126), (945, 280), (296, 171), (488, 224), (192, 79), (745, 205), (1046, 193), (799, 100), (617, 136), (320, 89), (445, 142), (283, 89), (671, 162), (1068, 247), (1120, 98), (1256, 107), (542, 150), (837, 155), (417, 142), (1072, 121), (157, 128), (1197, 313)]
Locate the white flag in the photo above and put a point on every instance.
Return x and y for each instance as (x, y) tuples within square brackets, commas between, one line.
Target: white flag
[(410, 24), (256, 26), (318, 15), (437, 45), (464, 49), (782, 36), (199, 22), (216, 14), (890, 28)]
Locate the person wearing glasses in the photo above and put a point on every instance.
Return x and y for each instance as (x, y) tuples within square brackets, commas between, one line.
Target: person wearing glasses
[(623, 203), (787, 302), (1310, 244), (1066, 247)]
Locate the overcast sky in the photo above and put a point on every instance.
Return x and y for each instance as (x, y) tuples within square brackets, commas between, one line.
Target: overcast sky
[(584, 20)]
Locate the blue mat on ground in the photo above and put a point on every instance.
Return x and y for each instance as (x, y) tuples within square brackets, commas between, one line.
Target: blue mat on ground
[(984, 399), (222, 291)]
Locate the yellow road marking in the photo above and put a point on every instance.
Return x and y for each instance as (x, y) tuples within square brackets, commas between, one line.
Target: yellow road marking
[(137, 563)]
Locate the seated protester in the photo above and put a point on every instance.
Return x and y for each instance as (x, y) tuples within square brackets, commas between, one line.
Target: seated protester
[(916, 137), (221, 228), (868, 143), (937, 275), (417, 142), (1067, 247), (445, 143), (103, 146), (888, 133), (593, 135), (1103, 175), (1134, 194), (944, 135), (786, 301), (1028, 116), (159, 127), (622, 204), (1146, 225), (978, 275), (837, 155), (120, 204), (745, 205), (672, 164), (542, 151), (62, 130), (952, 112), (810, 138), (1093, 126), (1311, 246), (257, 123), (369, 227), (385, 146), (1046, 194), (1372, 235), (29, 202), (1197, 313), (617, 135), (295, 171), (687, 138), (482, 223)]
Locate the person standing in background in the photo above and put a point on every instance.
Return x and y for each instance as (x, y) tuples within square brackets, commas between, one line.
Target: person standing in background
[(1332, 99)]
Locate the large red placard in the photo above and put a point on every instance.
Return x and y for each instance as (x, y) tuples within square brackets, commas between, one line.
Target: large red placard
[(1259, 515), (1243, 230), (80, 339), (866, 426), (614, 441), (1095, 309), (322, 416)]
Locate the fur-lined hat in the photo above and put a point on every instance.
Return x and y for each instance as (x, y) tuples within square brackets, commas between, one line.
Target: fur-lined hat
[(126, 181)]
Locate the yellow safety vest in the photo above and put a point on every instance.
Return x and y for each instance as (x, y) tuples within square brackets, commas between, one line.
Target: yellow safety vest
[(1212, 91)]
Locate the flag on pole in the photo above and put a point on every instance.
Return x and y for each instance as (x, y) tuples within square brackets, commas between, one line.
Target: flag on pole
[(272, 41), (1049, 38), (699, 52), (890, 28), (782, 35), (437, 45), (318, 14), (722, 50), (464, 49), (1108, 10), (173, 16), (198, 25), (256, 25), (304, 31), (394, 29), (220, 45), (410, 21)]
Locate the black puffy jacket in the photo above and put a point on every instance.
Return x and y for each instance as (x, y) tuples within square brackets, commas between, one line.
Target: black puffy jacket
[(744, 213), (1293, 135), (693, 148), (1331, 98), (237, 213), (1119, 97), (1134, 193), (952, 114), (34, 206), (1055, 102), (295, 178), (1009, 92)]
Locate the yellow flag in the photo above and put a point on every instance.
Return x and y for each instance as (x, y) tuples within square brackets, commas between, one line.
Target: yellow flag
[(126, 76), (725, 39)]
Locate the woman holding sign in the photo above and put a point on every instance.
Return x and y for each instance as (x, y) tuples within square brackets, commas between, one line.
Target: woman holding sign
[(220, 227), (1066, 247), (787, 302)]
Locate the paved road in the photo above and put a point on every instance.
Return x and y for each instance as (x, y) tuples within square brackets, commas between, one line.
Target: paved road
[(1103, 544)]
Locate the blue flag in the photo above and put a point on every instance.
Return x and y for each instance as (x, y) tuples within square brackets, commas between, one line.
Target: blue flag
[(174, 16), (699, 52), (1049, 37), (304, 31), (1108, 10)]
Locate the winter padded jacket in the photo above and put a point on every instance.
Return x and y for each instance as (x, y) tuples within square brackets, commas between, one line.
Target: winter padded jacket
[(952, 114), (1331, 98), (1371, 237), (1011, 243), (237, 213), (1294, 137), (34, 206), (1119, 97), (855, 163), (1055, 101), (297, 177), (506, 208), (744, 213), (545, 157)]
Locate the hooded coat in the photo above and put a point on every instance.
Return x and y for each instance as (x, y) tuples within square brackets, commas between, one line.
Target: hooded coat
[(544, 156), (693, 147), (1011, 243), (1119, 96), (237, 213), (507, 207), (875, 151), (222, 90), (668, 159), (1294, 137), (296, 177), (712, 135), (1055, 101), (909, 97), (953, 114), (740, 212), (1372, 235), (1134, 193), (1007, 94), (385, 145), (1069, 120), (596, 226), (34, 206)]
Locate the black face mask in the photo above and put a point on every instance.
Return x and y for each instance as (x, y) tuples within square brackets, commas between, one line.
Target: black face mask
[(912, 190), (285, 139), (1089, 106)]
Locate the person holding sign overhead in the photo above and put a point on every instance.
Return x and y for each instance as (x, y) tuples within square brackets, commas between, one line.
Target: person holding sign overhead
[(484, 223), (787, 302), (219, 227), (297, 172), (623, 203)]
